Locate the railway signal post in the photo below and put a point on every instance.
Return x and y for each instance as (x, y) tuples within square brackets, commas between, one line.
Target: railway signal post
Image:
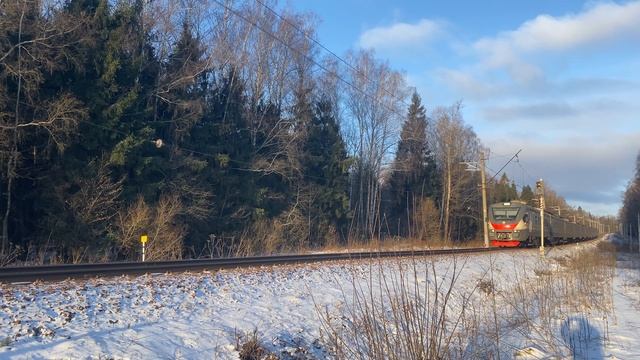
[(540, 192)]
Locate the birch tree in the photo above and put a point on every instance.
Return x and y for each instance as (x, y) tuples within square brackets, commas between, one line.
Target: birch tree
[(455, 142), (375, 103)]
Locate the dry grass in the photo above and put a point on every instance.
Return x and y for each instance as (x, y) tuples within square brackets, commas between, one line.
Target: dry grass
[(414, 315), (397, 243), (249, 347), (579, 289), (415, 312)]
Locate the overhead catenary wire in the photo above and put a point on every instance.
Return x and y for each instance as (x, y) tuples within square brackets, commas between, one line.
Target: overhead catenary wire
[(306, 56), (315, 41), (505, 165)]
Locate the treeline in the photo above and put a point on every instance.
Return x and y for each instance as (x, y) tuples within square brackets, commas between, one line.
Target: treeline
[(630, 212), (215, 129)]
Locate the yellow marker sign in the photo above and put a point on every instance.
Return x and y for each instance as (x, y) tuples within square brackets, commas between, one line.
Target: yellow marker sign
[(143, 239)]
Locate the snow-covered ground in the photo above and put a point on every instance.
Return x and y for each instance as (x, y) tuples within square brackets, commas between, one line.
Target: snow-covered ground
[(201, 315)]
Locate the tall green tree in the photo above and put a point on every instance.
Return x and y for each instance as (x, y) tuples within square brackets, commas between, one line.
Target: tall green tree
[(504, 190), (116, 80), (225, 153), (631, 202), (527, 194), (325, 167), (39, 115), (414, 175)]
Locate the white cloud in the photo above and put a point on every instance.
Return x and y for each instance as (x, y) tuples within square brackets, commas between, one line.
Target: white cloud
[(597, 24), (401, 35), (602, 23), (536, 88)]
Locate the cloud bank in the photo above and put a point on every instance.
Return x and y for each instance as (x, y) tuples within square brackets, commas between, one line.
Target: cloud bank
[(600, 24)]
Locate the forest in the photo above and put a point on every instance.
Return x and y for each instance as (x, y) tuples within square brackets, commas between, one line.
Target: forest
[(630, 212), (219, 129)]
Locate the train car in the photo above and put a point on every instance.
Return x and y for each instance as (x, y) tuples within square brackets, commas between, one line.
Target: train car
[(515, 223)]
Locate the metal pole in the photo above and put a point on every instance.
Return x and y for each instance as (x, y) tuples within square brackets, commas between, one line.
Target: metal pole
[(144, 246), (541, 228), (639, 232), (484, 201), (540, 190)]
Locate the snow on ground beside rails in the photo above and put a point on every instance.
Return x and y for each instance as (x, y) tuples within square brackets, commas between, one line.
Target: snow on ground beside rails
[(625, 331), (199, 315)]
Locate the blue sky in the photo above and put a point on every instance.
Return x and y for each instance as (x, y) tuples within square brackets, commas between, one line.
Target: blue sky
[(558, 79)]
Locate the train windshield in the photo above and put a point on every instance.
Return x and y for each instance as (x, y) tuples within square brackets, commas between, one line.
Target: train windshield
[(505, 213)]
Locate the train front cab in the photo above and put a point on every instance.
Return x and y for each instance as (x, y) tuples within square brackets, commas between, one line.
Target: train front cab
[(509, 224)]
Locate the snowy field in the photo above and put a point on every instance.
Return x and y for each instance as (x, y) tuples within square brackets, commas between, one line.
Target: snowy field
[(202, 315)]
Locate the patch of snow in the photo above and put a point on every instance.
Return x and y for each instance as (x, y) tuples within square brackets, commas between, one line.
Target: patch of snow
[(201, 315)]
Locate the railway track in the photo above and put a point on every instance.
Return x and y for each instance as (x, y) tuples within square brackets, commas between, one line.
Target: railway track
[(60, 272)]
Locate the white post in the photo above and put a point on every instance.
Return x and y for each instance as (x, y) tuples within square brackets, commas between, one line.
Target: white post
[(143, 240), (541, 226), (540, 190)]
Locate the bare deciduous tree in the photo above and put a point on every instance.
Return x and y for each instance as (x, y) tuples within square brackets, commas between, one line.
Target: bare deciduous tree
[(161, 223), (375, 102), (454, 143), (97, 201)]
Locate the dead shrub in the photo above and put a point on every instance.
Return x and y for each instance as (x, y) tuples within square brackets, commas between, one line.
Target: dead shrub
[(414, 315), (486, 286), (161, 223), (249, 347), (426, 221), (416, 312), (579, 289)]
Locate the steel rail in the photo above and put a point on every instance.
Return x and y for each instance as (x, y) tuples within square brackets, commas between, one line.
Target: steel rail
[(58, 272)]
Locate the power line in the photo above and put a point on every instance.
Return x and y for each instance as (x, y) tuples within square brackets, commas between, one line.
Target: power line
[(269, 33), (315, 41), (505, 165)]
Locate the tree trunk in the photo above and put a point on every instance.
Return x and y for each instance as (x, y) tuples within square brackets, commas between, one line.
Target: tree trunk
[(14, 146), (447, 201)]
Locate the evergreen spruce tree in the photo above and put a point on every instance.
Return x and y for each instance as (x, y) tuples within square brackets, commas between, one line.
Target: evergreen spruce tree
[(325, 168), (413, 174), (504, 190), (527, 194), (222, 139)]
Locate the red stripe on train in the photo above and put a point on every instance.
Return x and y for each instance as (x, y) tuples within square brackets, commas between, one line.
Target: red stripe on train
[(503, 226), (498, 243)]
